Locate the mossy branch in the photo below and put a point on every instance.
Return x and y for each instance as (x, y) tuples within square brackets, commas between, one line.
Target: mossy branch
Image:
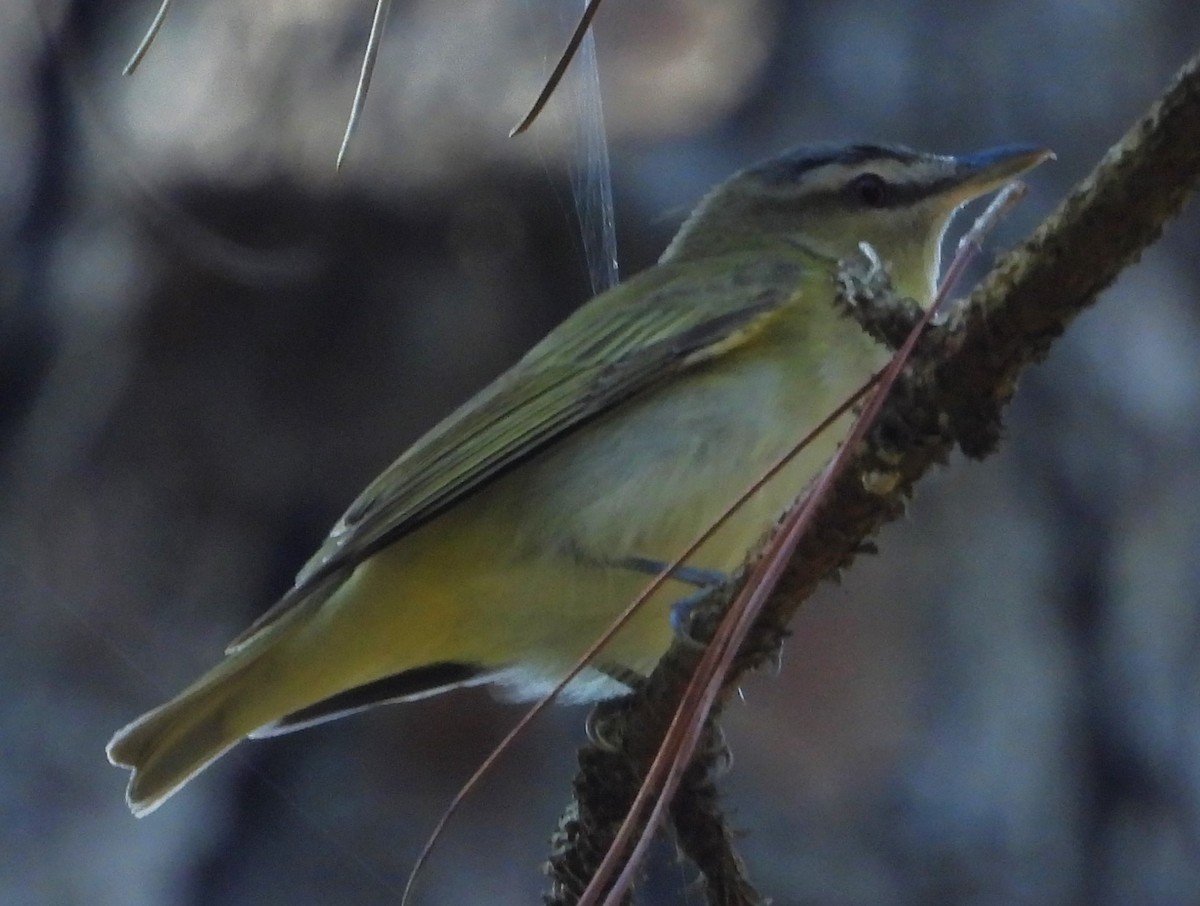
[(952, 394)]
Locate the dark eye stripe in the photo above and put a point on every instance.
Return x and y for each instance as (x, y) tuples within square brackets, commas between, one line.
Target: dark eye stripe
[(898, 195)]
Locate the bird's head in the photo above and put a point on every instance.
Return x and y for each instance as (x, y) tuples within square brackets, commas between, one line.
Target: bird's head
[(831, 198)]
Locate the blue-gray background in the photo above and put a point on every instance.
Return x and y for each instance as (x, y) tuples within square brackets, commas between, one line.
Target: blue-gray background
[(209, 342)]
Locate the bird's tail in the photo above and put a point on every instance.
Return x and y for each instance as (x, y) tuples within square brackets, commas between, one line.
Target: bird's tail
[(171, 744)]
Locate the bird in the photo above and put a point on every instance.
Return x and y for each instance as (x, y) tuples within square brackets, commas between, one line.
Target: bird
[(509, 537)]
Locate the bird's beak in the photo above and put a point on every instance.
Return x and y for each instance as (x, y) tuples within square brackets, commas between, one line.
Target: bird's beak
[(985, 171)]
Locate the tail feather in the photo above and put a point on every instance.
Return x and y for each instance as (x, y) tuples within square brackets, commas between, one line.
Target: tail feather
[(171, 744)]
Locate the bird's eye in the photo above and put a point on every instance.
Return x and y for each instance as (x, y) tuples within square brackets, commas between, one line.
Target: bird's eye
[(869, 190)]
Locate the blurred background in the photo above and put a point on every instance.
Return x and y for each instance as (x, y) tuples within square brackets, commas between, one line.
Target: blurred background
[(210, 340)]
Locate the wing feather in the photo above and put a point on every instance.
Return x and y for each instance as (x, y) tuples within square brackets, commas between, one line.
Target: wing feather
[(664, 320)]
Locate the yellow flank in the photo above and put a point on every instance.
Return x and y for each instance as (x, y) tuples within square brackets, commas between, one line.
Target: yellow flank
[(498, 548)]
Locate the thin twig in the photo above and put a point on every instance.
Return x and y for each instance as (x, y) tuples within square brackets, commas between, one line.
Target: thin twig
[(560, 68), (147, 39), (364, 77)]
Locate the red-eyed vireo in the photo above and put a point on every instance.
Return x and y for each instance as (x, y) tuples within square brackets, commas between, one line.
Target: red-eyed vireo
[(508, 538)]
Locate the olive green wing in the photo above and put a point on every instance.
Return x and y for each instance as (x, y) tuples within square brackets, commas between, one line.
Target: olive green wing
[(622, 342)]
